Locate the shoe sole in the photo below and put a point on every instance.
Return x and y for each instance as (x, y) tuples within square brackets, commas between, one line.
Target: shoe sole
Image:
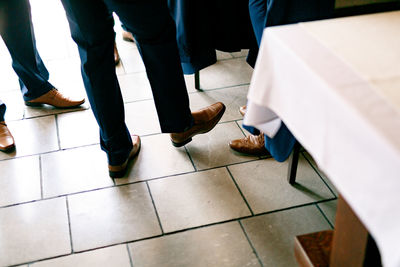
[(128, 39), (121, 173), (29, 104), (218, 117), (8, 149)]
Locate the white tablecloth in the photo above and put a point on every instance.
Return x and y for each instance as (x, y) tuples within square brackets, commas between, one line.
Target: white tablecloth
[(336, 85)]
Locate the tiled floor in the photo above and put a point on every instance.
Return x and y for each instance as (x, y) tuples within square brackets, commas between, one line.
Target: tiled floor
[(199, 205)]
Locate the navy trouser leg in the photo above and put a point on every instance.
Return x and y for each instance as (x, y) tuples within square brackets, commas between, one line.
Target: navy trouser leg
[(2, 110), (91, 26), (155, 34), (18, 35)]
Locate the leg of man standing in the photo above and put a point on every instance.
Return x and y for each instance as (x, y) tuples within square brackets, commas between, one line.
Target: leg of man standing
[(154, 30), (17, 32)]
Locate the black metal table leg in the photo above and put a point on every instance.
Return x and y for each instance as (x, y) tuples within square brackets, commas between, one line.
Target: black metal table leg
[(197, 80), (293, 161)]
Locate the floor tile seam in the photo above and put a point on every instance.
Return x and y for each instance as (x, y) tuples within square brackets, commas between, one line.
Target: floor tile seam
[(24, 118), (240, 128), (185, 173), (240, 191), (294, 207), (129, 255), (57, 131), (69, 224), (41, 177), (324, 215), (201, 90), (51, 151), (61, 196), (191, 159), (155, 208), (191, 93), (227, 59), (318, 173), (149, 180), (251, 244)]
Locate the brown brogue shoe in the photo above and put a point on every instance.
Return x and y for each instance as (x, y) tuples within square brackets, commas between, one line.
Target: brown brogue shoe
[(242, 110), (6, 138), (204, 120), (118, 171), (252, 145), (127, 36), (55, 99)]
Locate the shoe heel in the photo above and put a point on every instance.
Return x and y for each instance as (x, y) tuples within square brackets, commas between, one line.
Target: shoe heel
[(29, 104), (182, 143), (118, 174)]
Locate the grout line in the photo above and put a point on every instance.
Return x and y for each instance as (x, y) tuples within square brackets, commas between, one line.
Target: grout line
[(316, 170), (191, 160), (155, 208), (323, 214), (58, 131), (240, 191), (129, 254), (241, 129), (250, 243), (69, 225), (40, 177)]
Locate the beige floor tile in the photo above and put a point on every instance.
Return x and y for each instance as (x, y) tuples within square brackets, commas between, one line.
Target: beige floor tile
[(135, 87), (19, 180), (111, 216), (141, 118), (77, 129), (223, 55), (15, 105), (33, 136), (212, 150), (264, 185), (157, 158), (34, 231), (226, 73), (323, 175), (272, 235), (242, 53), (220, 245), (74, 170), (113, 256), (329, 209), (233, 98), (197, 199), (130, 58)]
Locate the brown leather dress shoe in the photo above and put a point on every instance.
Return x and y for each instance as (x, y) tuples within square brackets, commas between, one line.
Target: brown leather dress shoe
[(55, 99), (204, 120), (252, 145), (117, 59), (6, 138), (118, 171), (242, 110), (127, 36)]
